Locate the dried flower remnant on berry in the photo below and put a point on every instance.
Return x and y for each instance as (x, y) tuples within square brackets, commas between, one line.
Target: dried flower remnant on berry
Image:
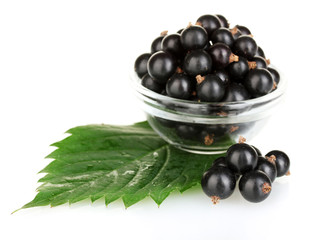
[(199, 79), (252, 64), (233, 129), (242, 139), (266, 188), (209, 139), (215, 199), (271, 158), (164, 33)]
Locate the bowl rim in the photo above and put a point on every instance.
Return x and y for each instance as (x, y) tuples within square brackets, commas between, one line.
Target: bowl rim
[(279, 91)]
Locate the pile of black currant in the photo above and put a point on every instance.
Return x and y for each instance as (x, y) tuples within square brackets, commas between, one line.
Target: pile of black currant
[(244, 163), (207, 62)]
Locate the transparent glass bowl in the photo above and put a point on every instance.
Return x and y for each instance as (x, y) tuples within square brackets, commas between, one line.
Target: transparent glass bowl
[(206, 128)]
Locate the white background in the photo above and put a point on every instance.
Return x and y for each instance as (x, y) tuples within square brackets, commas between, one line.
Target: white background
[(66, 63)]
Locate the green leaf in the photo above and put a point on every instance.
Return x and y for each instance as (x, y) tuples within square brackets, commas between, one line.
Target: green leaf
[(112, 162)]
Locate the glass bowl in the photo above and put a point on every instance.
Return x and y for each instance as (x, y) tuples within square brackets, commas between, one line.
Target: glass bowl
[(205, 127)]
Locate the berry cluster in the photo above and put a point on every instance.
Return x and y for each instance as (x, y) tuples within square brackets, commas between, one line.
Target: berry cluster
[(207, 62), (257, 173)]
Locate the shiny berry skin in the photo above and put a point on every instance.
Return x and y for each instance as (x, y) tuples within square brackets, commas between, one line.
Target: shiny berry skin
[(222, 35), (244, 30), (209, 22), (241, 158), (260, 52), (235, 92), (223, 21), (140, 65), (236, 33), (179, 86), (258, 82), (197, 62), (255, 186), (193, 37), (161, 66), (221, 55), (171, 43), (156, 44), (245, 46), (275, 74), (218, 183), (268, 167), (211, 89), (223, 75), (258, 151), (187, 131), (148, 82), (282, 162), (260, 62), (238, 70), (220, 162)]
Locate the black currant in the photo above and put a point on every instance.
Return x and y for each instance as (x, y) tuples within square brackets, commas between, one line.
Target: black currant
[(218, 183), (223, 75), (267, 166), (258, 151), (180, 86), (235, 92), (275, 74), (222, 35), (156, 43), (244, 30), (221, 55), (180, 30), (212, 131), (223, 21), (148, 82), (282, 162), (245, 46), (209, 22), (238, 70), (255, 186), (260, 52), (140, 65), (187, 131), (197, 62), (259, 61), (210, 88), (161, 66), (258, 82), (193, 37), (220, 162), (241, 158), (171, 43)]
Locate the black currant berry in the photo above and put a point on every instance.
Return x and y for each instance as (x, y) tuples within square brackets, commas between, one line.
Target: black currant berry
[(255, 186), (209, 22), (218, 183), (275, 74), (222, 35), (267, 166), (187, 131), (140, 65), (197, 62), (148, 82), (235, 92), (238, 70), (161, 66), (221, 55), (211, 132), (260, 52), (156, 43), (171, 43), (282, 162), (220, 162), (223, 21), (210, 88), (193, 37), (258, 82), (245, 46), (260, 62), (223, 75), (244, 30), (180, 86), (241, 158)]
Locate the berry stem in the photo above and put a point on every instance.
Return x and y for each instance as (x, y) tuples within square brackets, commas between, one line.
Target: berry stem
[(215, 199), (199, 79), (233, 58), (266, 188), (252, 65)]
